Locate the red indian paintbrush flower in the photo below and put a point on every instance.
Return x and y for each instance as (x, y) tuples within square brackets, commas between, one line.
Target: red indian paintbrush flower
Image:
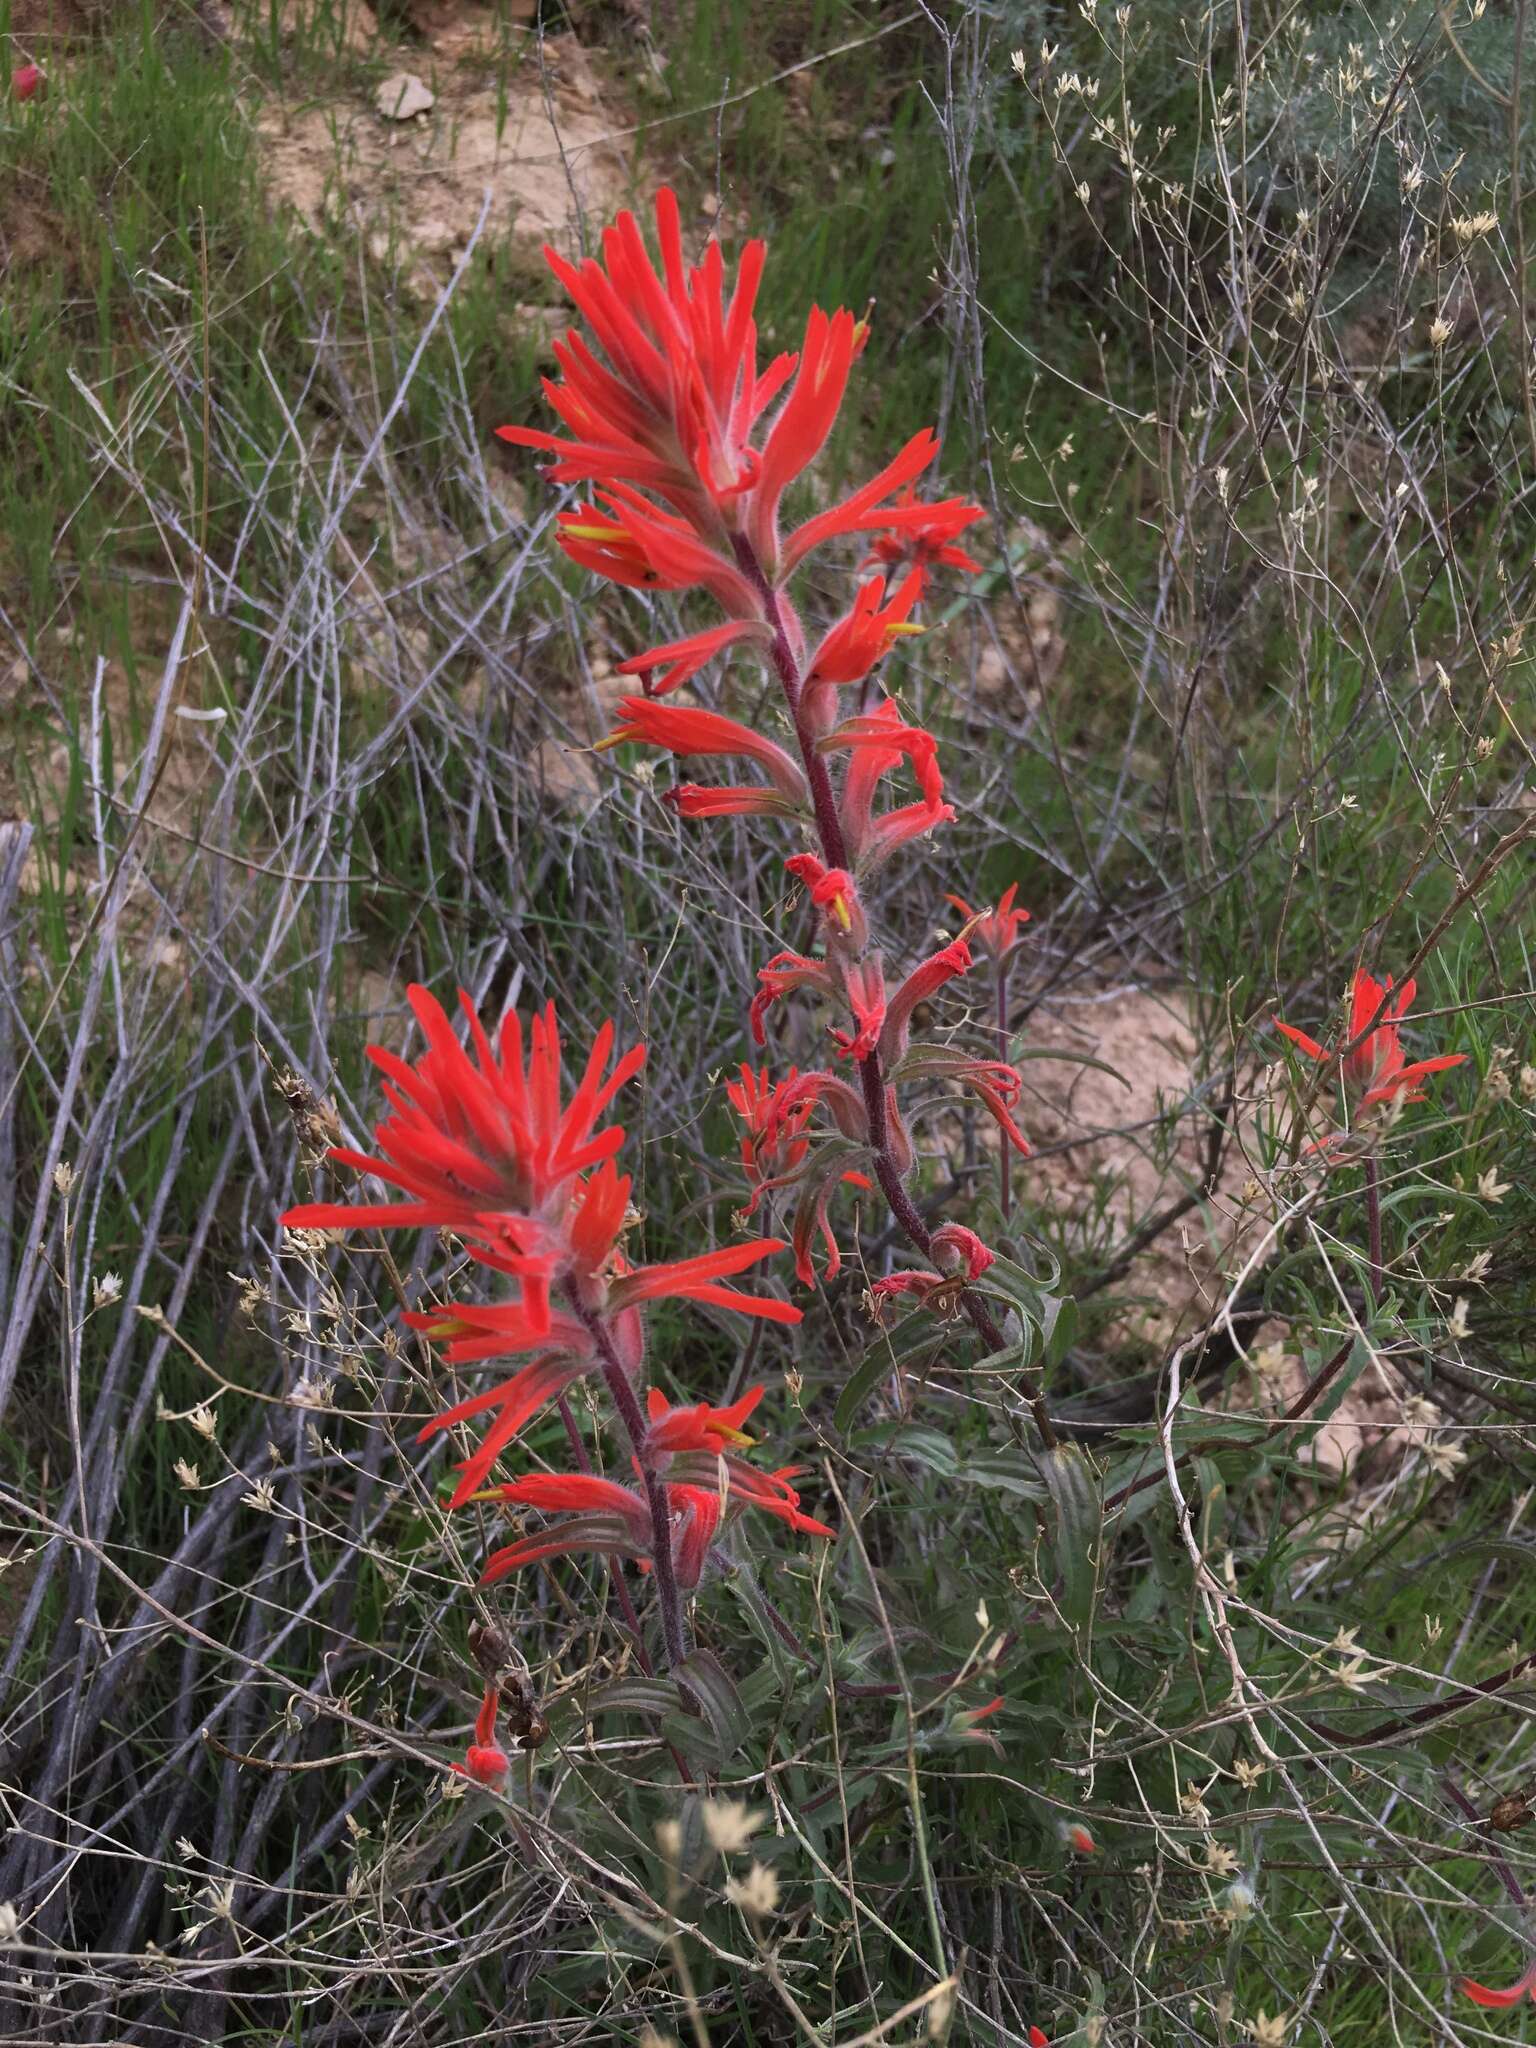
[(1486, 1994), (25, 81), (482, 1145), (675, 406), (876, 742), (680, 659), (996, 929), (483, 1761), (1375, 1069)]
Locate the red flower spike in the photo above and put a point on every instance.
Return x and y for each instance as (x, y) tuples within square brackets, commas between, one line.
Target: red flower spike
[(1078, 1839), (961, 1257), (481, 1144), (681, 659), (26, 80), (1374, 1067), (833, 893), (925, 980), (685, 731), (998, 929), (1038, 2038), (1485, 1994)]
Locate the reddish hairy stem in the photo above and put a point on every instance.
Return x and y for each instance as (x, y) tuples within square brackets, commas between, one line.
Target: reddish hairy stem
[(674, 1630), (834, 851)]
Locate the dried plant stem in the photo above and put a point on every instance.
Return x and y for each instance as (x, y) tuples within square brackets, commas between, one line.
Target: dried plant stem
[(871, 1070), (674, 1629), (1373, 1224)]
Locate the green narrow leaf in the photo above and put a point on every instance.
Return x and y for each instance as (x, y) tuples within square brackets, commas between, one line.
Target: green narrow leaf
[(704, 1678), (1078, 1499), (872, 1368)]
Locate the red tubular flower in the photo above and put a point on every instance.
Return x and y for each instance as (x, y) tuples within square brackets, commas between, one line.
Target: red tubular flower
[(923, 536), (804, 420), (833, 893), (925, 979), (693, 800), (866, 510), (1078, 1839), (684, 658), (1038, 2038), (628, 539), (685, 731), (697, 1428), (483, 1761), (999, 1086), (864, 986), (694, 1280), (784, 973), (1485, 1994), (962, 1257), (1374, 1067), (877, 742), (515, 1401), (25, 81), (997, 929), (866, 633)]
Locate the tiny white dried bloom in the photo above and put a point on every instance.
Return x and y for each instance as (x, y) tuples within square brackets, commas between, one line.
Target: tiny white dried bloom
[(1471, 227), (756, 1893), (186, 1850), (1241, 1900), (1444, 1456), (1528, 1084), (219, 1897), (983, 1619), (1490, 1188), (729, 1824), (1267, 2032), (108, 1288), (1434, 1627), (9, 1923), (1458, 1326), (1223, 483), (1084, 191), (262, 1498), (1346, 1641), (63, 1176), (312, 1393), (187, 1474), (1439, 331), (1353, 1675), (1020, 63), (1421, 1412), (1248, 1773), (1477, 1268), (204, 1421), (1219, 1859)]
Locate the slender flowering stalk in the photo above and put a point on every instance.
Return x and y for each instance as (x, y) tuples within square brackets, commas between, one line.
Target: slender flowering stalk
[(998, 931), (1377, 1078), (691, 449), (486, 1143)]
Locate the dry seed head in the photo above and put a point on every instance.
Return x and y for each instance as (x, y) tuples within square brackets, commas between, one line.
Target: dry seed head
[(756, 1893), (729, 1824)]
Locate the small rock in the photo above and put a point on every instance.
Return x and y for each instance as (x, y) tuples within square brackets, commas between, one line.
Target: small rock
[(404, 96)]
